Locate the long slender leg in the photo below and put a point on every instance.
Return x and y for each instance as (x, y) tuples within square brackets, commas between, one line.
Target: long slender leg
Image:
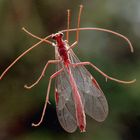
[(78, 23), (77, 30), (42, 39), (42, 73), (102, 73), (47, 97), (68, 25)]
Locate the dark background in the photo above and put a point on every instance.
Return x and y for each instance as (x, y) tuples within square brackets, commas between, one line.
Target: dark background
[(20, 107)]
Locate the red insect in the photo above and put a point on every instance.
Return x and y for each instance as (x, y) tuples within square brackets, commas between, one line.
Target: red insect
[(76, 91)]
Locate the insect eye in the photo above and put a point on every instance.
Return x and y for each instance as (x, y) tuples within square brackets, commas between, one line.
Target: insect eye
[(61, 34), (53, 36)]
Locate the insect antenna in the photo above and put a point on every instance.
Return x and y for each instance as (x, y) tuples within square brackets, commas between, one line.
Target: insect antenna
[(25, 52), (102, 30)]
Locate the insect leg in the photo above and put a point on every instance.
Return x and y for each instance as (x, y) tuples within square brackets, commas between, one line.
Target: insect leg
[(68, 25), (77, 30), (42, 39), (78, 23), (42, 73), (102, 73), (47, 97)]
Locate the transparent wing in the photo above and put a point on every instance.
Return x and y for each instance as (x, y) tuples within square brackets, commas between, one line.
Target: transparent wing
[(92, 97), (94, 101), (66, 115), (64, 101)]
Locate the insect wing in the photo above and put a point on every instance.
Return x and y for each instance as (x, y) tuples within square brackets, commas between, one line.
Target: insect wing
[(66, 115), (94, 101), (64, 101)]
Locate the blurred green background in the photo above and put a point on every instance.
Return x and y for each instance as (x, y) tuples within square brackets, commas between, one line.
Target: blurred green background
[(20, 107)]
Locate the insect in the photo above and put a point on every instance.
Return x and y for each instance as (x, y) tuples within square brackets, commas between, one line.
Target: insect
[(76, 91)]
